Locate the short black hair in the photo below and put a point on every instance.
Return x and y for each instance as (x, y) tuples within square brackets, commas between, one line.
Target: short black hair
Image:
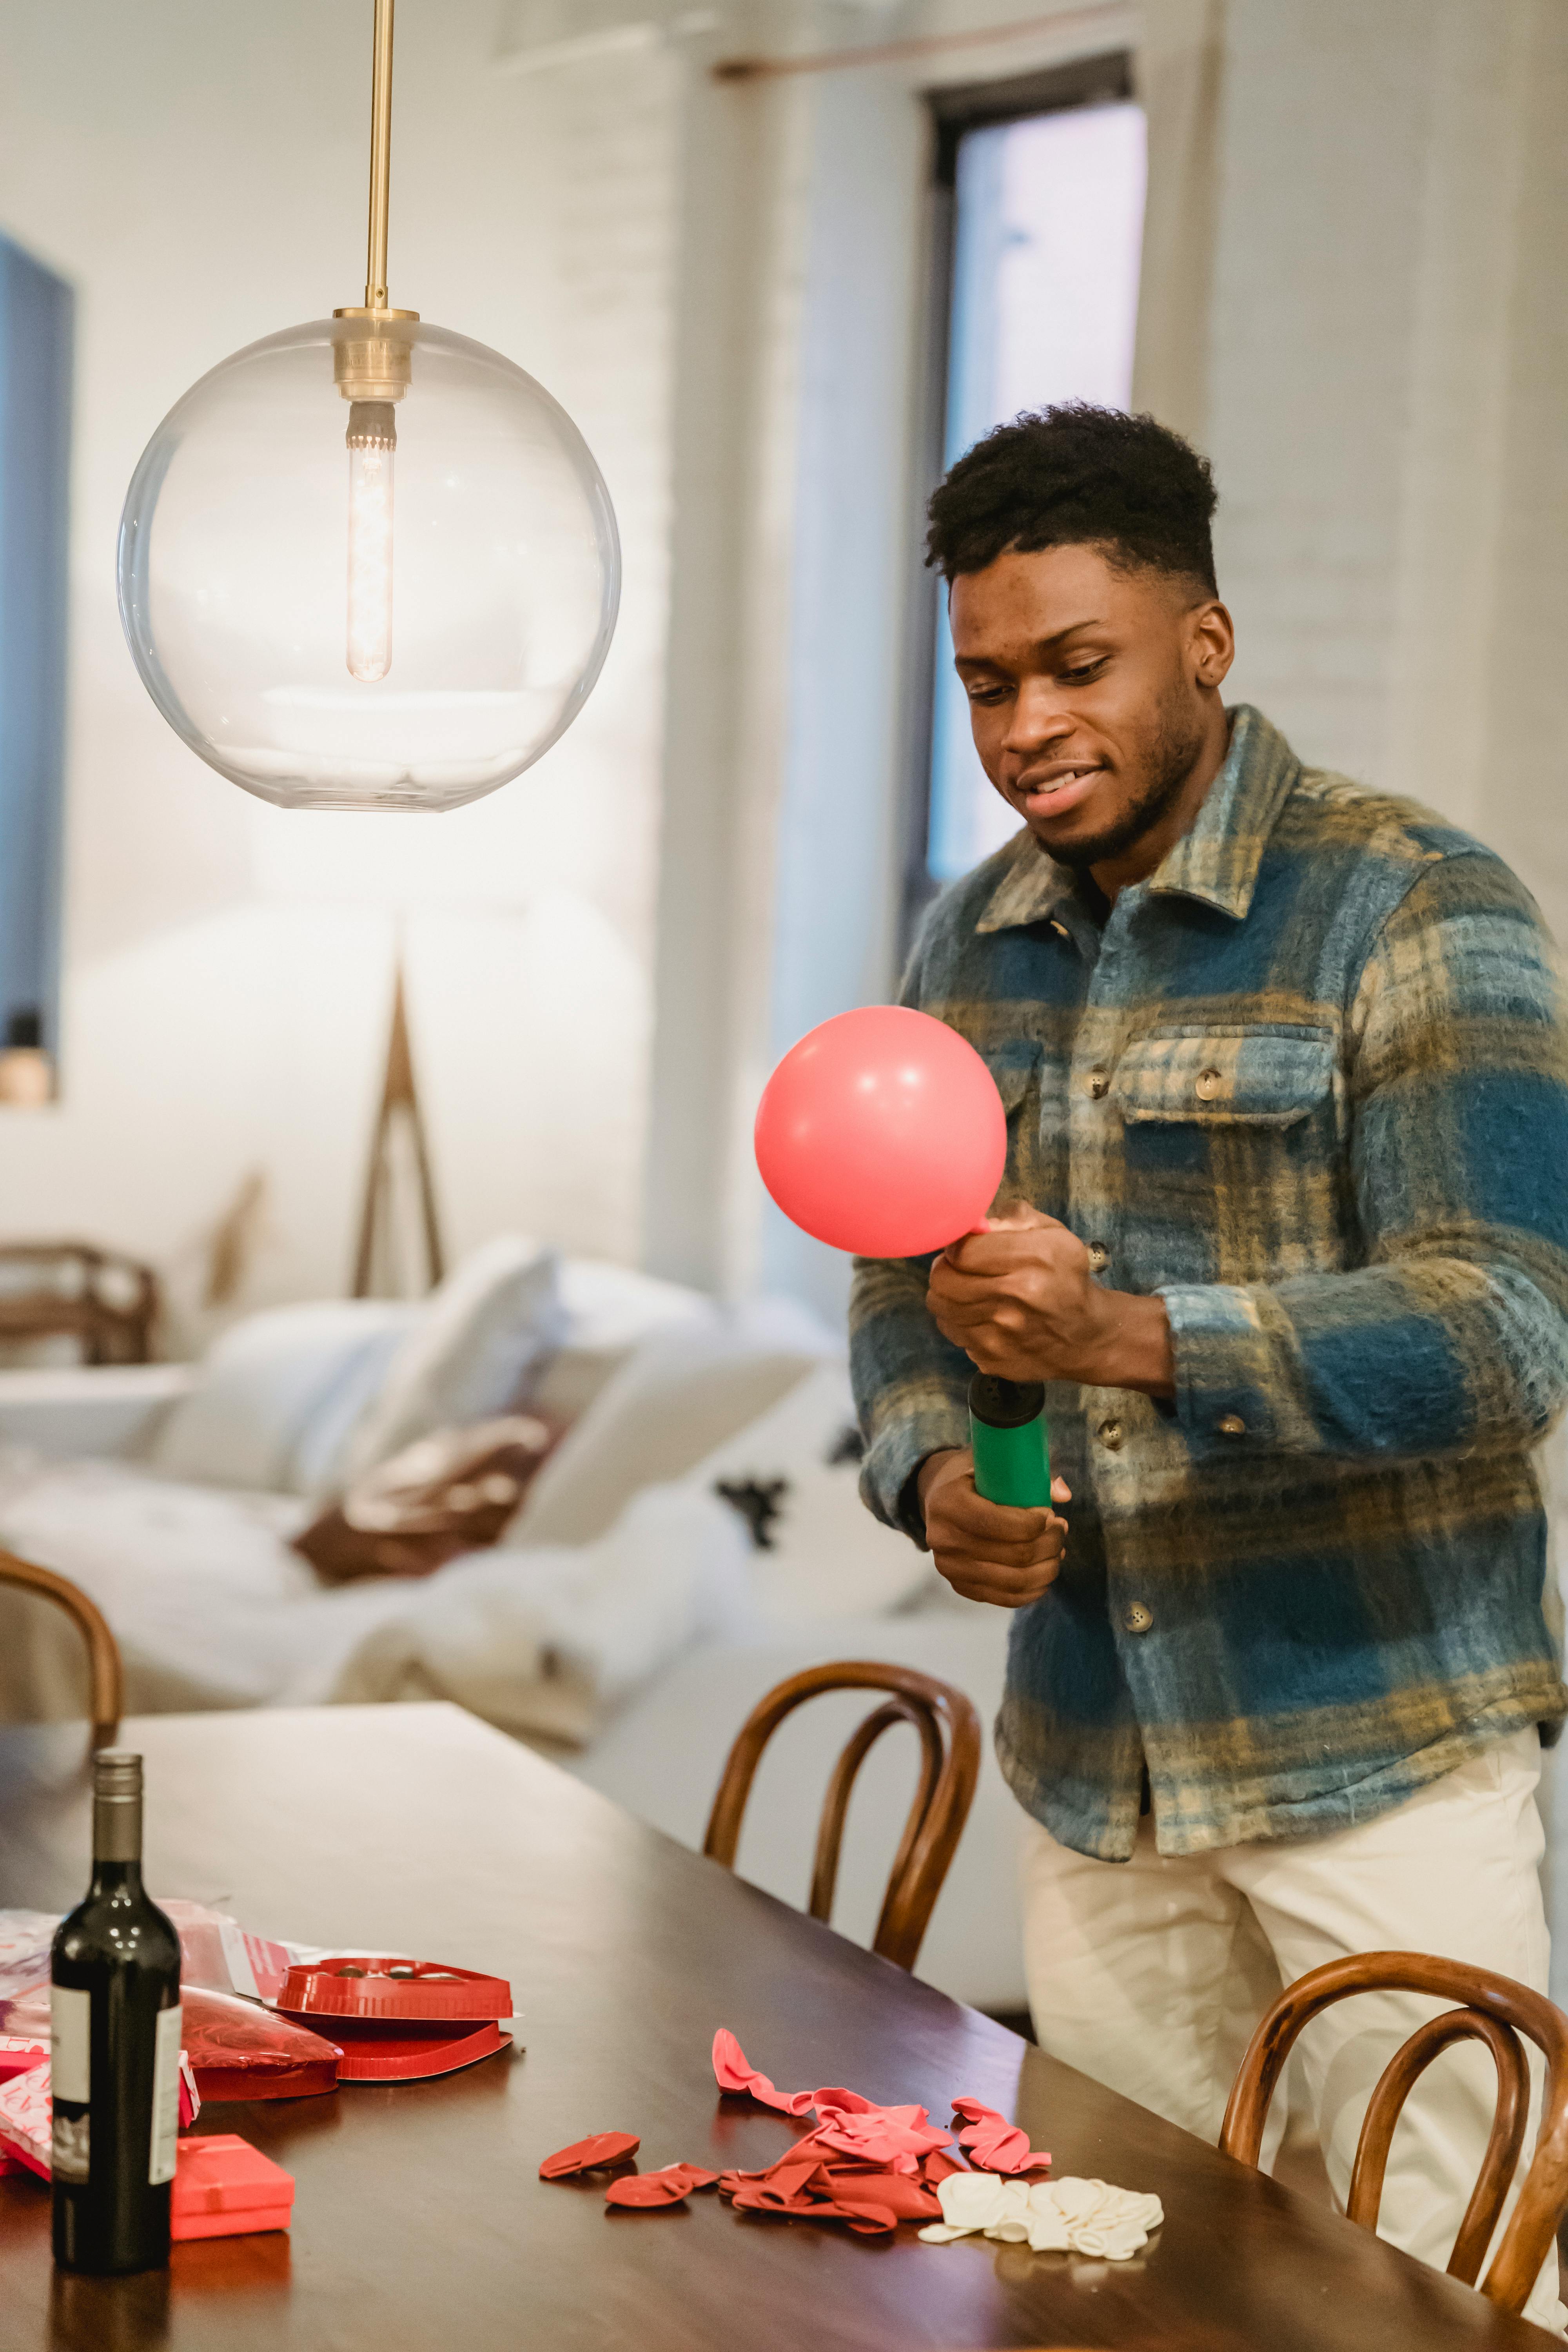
[(1073, 476)]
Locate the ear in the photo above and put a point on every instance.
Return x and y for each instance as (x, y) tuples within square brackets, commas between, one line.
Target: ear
[(1213, 644)]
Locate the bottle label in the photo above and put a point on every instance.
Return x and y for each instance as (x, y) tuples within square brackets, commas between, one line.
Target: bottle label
[(165, 2098), (70, 2041), (70, 2080)]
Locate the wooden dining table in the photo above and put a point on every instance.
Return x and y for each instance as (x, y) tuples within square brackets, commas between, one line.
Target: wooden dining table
[(420, 2222)]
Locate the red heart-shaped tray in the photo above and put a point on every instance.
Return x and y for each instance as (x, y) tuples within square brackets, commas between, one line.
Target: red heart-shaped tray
[(392, 1989)]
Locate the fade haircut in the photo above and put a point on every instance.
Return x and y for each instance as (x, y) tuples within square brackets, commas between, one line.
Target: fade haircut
[(1076, 476)]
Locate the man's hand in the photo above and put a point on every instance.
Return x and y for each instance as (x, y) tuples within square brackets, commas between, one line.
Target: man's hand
[(1021, 1302), (987, 1550)]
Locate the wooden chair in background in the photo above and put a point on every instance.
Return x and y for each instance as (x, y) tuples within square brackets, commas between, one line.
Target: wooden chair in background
[(107, 1680), (1495, 2011), (106, 1303), (949, 1732)]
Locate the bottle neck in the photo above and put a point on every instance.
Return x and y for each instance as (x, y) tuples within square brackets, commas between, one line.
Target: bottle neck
[(117, 1834)]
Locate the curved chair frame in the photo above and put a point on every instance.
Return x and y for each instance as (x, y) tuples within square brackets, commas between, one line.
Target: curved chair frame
[(949, 1732), (107, 1676), (1495, 2011)]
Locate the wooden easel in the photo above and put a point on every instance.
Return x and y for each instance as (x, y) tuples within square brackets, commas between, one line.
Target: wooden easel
[(399, 1099)]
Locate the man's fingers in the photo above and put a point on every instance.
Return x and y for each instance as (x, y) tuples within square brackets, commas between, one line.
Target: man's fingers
[(1019, 1216), (966, 1521), (968, 1314), (996, 1251), (1003, 1587), (951, 1543)]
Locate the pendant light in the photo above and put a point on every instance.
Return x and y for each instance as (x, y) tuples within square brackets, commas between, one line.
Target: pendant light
[(367, 563)]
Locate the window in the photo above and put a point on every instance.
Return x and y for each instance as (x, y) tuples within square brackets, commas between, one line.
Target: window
[(36, 321), (1040, 223)]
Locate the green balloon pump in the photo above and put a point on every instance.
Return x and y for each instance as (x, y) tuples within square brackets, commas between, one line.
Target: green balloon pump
[(1011, 1441)]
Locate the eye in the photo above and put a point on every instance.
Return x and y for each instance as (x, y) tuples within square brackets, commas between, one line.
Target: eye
[(1084, 671), (978, 691)]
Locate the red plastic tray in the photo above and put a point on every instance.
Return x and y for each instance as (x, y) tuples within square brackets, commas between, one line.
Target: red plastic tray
[(393, 1989), (375, 2051)]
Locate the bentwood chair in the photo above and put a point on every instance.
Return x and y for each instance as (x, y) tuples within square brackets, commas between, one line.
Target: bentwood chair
[(949, 1732), (1495, 2011), (106, 1676)]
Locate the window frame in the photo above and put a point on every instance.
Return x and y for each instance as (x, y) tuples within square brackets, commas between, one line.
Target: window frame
[(1105, 79)]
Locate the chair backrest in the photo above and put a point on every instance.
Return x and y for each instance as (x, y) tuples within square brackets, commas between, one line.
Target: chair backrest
[(106, 1302), (1495, 2011), (108, 1680), (949, 1732)]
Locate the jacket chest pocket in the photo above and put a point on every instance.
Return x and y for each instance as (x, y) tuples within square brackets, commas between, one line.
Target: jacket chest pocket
[(1230, 1135), (1032, 1090)]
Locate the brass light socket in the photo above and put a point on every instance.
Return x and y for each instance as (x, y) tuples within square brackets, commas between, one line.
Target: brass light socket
[(373, 367)]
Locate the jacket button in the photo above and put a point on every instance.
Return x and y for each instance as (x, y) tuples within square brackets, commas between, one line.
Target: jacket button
[(1231, 1424), (1098, 1085), (1136, 1618), (1098, 1257), (1110, 1436), (1209, 1084)]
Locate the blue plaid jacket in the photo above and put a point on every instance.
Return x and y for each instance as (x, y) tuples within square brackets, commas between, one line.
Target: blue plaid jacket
[(1308, 1084)]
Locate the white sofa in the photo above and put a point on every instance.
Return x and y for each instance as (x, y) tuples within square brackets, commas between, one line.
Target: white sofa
[(626, 1623)]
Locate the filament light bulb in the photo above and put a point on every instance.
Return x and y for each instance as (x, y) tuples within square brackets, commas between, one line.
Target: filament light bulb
[(372, 440)]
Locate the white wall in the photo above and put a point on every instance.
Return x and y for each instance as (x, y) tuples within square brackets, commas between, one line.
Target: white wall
[(199, 175), (1387, 414)]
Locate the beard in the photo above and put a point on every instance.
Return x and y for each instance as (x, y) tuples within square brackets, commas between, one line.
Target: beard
[(1171, 753)]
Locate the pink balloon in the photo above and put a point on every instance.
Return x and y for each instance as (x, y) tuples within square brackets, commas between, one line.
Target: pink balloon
[(882, 1132)]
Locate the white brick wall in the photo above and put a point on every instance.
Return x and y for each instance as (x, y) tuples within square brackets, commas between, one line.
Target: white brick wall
[(1387, 415)]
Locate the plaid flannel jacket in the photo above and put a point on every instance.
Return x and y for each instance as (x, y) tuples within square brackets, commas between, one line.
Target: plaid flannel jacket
[(1308, 1084)]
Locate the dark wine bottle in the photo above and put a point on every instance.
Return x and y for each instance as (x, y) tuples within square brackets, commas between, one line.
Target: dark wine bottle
[(114, 2063)]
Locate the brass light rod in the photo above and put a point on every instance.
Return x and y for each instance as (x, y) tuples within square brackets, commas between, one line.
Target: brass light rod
[(380, 158)]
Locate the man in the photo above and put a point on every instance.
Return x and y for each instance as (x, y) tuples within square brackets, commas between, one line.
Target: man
[(1285, 1230)]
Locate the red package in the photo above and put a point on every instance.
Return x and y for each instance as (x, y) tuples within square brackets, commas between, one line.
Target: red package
[(226, 2188), (239, 2051)]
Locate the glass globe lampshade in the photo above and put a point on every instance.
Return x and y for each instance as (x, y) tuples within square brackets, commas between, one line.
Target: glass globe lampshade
[(368, 566)]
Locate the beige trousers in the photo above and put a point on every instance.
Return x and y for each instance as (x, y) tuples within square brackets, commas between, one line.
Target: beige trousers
[(1150, 1975)]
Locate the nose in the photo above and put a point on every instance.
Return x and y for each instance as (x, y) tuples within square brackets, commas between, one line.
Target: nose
[(1037, 718)]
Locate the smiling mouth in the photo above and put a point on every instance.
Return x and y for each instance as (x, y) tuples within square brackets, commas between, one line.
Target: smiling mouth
[(1069, 782)]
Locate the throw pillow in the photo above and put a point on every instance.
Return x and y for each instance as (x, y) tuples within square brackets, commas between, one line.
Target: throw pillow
[(271, 1383), (444, 1495), (484, 1332), (606, 1311), (680, 1394)]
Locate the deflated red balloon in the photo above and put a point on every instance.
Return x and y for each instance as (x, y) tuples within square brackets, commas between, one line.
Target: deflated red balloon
[(646, 2190), (589, 2154)]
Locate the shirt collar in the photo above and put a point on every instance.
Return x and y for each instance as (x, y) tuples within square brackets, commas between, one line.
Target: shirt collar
[(1216, 859)]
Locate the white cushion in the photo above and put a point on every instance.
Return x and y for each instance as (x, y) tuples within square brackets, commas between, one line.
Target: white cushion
[(270, 1400), (482, 1333), (606, 1311), (678, 1396), (91, 1408), (824, 1556)]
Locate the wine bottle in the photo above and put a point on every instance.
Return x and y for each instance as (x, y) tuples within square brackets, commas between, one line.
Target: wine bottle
[(114, 2049)]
